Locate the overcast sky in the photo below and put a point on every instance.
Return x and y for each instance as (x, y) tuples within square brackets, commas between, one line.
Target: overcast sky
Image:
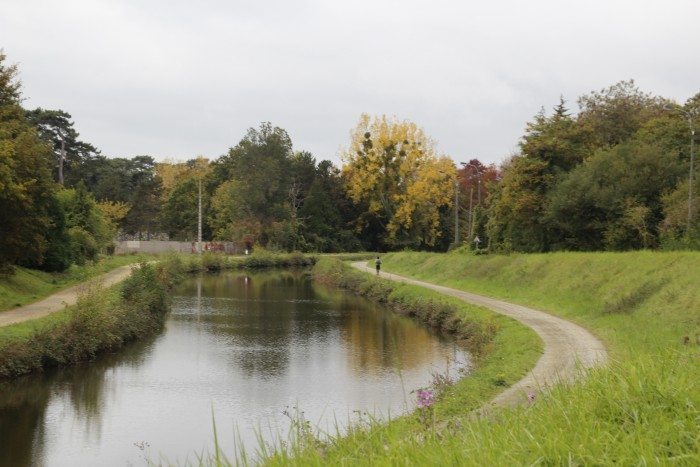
[(180, 78)]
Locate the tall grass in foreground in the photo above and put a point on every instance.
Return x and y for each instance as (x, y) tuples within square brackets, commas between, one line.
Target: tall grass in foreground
[(624, 415)]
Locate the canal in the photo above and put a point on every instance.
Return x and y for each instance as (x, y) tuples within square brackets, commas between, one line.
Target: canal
[(240, 348)]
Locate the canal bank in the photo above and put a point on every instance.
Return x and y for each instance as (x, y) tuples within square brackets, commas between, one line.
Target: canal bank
[(101, 314), (569, 349), (102, 319)]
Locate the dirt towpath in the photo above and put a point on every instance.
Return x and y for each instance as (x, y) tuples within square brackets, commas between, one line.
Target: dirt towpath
[(568, 348), (60, 300)]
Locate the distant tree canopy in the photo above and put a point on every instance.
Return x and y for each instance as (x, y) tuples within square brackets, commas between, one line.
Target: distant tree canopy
[(261, 188), (613, 200), (89, 229), (181, 184), (42, 225), (476, 185), (254, 182)]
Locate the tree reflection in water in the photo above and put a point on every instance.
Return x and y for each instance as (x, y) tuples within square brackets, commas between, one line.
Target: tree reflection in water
[(24, 402)]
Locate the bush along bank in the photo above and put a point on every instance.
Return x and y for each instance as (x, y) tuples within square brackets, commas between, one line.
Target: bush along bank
[(102, 320), (212, 262), (475, 332)]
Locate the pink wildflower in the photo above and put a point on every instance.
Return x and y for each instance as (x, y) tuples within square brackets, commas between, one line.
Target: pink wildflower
[(425, 398)]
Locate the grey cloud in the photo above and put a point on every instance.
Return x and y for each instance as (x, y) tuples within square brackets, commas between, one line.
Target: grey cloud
[(181, 78)]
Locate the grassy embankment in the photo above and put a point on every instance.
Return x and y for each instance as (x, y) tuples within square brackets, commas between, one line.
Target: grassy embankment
[(637, 302), (102, 320), (25, 286), (641, 408)]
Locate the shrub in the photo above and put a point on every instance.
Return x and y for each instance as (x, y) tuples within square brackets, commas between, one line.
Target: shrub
[(212, 262), (260, 259), (99, 321), (83, 244)]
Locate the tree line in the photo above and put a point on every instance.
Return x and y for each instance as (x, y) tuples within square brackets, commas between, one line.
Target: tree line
[(613, 176)]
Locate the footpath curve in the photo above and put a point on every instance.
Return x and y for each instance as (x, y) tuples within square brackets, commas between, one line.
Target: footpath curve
[(568, 348), (62, 299)]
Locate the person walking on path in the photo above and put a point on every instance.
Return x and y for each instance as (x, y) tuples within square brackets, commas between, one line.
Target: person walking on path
[(378, 264)]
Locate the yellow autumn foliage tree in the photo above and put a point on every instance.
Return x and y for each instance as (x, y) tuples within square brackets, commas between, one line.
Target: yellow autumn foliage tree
[(170, 173), (114, 212), (392, 169), (173, 173)]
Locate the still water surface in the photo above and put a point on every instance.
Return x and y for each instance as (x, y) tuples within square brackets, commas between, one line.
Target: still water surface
[(244, 347)]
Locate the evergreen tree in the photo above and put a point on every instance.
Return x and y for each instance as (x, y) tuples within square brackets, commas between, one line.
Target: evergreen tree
[(56, 128)]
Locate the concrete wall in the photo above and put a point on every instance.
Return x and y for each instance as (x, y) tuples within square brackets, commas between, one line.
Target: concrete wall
[(158, 246)]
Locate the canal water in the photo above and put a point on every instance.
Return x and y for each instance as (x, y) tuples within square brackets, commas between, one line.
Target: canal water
[(244, 349)]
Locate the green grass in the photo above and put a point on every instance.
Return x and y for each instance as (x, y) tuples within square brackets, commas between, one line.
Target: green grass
[(642, 408), (636, 302), (25, 329), (357, 256), (26, 286), (620, 417)]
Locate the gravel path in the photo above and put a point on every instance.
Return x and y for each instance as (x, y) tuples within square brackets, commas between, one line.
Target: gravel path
[(60, 300), (568, 348)]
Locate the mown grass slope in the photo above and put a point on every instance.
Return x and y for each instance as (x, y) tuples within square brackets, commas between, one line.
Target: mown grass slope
[(636, 302)]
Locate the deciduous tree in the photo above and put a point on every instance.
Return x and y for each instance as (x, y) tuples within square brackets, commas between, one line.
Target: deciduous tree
[(392, 171), (613, 200), (516, 220)]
